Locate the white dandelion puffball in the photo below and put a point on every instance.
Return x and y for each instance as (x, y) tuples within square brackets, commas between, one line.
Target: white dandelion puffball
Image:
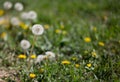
[(7, 5), (15, 21), (25, 44), (37, 29), (40, 58), (50, 55), (32, 15), (24, 15), (18, 6)]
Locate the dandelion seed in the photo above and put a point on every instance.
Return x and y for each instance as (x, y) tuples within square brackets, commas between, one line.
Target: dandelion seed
[(7, 5), (89, 65), (65, 62), (25, 44), (87, 39), (22, 56), (15, 21), (18, 6), (37, 29), (40, 58), (50, 55), (101, 43), (32, 75), (32, 15), (24, 15)]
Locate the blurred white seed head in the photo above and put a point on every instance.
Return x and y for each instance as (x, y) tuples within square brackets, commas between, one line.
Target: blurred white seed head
[(18, 6), (32, 15), (40, 58), (15, 21), (24, 15), (7, 5), (37, 29), (25, 44), (50, 55)]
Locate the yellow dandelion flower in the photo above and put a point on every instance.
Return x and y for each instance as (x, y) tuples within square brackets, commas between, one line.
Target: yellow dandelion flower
[(23, 26), (87, 39), (89, 65), (46, 26), (101, 43), (93, 54), (62, 26), (77, 65), (94, 29), (3, 35), (65, 62), (22, 56), (74, 58), (41, 70), (33, 56), (32, 75), (58, 31), (1, 12), (64, 32)]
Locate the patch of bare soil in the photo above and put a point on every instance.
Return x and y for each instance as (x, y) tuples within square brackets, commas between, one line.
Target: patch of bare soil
[(8, 75)]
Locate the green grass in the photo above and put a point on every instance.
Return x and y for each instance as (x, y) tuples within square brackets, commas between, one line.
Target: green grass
[(78, 18)]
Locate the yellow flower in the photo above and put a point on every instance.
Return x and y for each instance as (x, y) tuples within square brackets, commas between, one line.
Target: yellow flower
[(101, 44), (77, 65), (62, 26), (32, 75), (23, 26), (41, 70), (3, 35), (64, 32), (94, 29), (33, 56), (46, 26), (93, 54), (89, 65), (1, 12), (65, 62), (74, 58), (87, 39), (58, 31), (22, 56)]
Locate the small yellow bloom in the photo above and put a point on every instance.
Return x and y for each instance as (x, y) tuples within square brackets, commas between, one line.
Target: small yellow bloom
[(23, 26), (74, 58), (64, 32), (62, 26), (33, 56), (87, 39), (3, 35), (41, 70), (1, 12), (32, 75), (65, 62), (77, 65), (22, 56), (93, 54), (94, 29), (89, 65), (46, 26), (58, 31), (101, 44)]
